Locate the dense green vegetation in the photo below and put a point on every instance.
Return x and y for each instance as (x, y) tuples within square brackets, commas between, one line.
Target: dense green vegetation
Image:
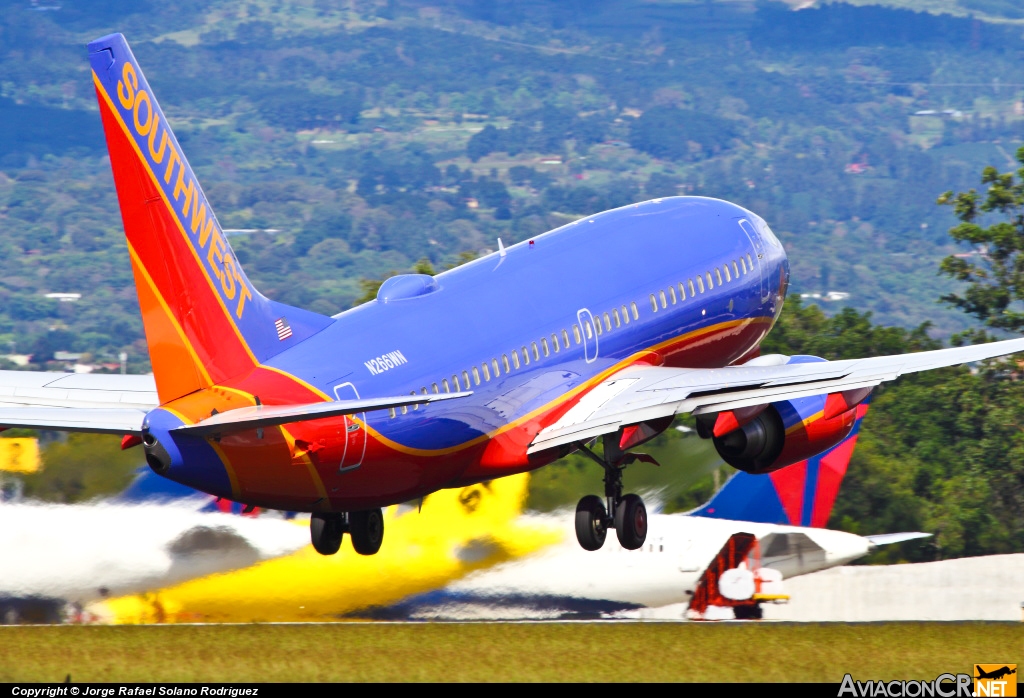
[(367, 136)]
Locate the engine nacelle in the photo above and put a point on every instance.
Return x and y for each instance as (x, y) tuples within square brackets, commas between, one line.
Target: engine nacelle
[(785, 432)]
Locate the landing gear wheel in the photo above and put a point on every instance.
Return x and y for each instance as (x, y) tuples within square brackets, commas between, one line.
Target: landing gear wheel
[(748, 612), (631, 522), (591, 522), (326, 532), (367, 530)]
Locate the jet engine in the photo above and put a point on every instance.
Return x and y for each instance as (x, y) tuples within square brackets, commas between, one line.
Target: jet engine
[(764, 438)]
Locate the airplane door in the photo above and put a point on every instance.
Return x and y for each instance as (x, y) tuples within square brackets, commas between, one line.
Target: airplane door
[(355, 435), (758, 245), (589, 334)]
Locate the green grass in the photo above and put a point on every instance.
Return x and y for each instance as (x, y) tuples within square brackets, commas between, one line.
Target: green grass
[(504, 652)]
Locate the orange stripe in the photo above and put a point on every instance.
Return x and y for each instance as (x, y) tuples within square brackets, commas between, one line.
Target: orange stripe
[(145, 163), (587, 385)]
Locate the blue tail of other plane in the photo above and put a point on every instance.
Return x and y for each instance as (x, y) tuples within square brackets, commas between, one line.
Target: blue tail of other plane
[(801, 494)]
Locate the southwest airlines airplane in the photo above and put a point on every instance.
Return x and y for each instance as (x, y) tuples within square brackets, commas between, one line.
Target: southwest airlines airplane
[(602, 329)]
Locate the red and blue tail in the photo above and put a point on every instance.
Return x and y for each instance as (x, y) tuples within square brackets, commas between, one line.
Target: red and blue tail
[(204, 321), (801, 494)]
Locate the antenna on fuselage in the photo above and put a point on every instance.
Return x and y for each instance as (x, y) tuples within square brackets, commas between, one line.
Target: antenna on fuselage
[(501, 248)]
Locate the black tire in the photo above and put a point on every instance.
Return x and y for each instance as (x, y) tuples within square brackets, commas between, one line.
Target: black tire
[(326, 532), (752, 612), (631, 522), (591, 522), (367, 530)]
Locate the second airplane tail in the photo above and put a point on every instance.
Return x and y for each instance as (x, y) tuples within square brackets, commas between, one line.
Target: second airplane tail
[(204, 320), (801, 494)]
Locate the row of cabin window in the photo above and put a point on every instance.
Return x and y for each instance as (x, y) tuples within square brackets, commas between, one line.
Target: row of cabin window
[(486, 369), (745, 265)]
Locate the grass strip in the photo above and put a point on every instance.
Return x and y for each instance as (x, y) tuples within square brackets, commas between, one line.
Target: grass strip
[(504, 651)]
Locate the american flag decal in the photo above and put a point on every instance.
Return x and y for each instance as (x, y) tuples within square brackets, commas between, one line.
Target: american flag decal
[(284, 330)]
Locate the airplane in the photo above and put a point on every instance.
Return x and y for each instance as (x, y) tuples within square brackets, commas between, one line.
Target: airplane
[(602, 329), (60, 556), (995, 673)]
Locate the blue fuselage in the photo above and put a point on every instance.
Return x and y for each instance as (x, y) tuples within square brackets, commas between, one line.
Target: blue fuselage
[(651, 274)]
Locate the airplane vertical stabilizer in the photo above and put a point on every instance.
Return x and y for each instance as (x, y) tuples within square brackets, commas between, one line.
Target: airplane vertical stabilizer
[(801, 494), (204, 320)]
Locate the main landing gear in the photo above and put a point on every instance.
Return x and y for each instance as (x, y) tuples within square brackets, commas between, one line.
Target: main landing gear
[(629, 515), (326, 531)]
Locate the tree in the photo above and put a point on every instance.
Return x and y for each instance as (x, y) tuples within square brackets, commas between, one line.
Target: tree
[(994, 271)]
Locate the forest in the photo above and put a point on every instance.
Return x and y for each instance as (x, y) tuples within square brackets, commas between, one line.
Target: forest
[(343, 142)]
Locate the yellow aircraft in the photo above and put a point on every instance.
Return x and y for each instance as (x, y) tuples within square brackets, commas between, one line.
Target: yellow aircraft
[(452, 533)]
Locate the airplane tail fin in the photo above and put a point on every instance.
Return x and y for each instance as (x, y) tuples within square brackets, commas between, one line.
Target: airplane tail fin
[(801, 494), (204, 320)]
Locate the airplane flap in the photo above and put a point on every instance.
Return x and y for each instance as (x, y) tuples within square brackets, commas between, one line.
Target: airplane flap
[(266, 415)]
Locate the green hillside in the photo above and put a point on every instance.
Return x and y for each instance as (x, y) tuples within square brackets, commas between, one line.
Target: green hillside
[(358, 141)]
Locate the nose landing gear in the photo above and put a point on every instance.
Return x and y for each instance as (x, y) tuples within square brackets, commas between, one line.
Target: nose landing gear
[(628, 515), (326, 531)]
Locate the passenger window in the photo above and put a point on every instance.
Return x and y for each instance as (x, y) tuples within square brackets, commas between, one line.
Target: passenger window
[(682, 291), (607, 322), (405, 409), (554, 342), (494, 367), (615, 316), (597, 326), (735, 269), (664, 303), (476, 376), (444, 384), (455, 382), (750, 262), (536, 354), (504, 362), (415, 407), (565, 339), (526, 357), (636, 313), (391, 412), (718, 276), (515, 358), (654, 304), (544, 345), (435, 387), (707, 277), (576, 333), (625, 315), (588, 330), (689, 282), (743, 265), (465, 380), (700, 284), (672, 294), (487, 371)]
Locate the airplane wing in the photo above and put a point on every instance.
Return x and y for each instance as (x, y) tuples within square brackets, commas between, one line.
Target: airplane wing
[(890, 538), (117, 404), (111, 403), (642, 393)]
